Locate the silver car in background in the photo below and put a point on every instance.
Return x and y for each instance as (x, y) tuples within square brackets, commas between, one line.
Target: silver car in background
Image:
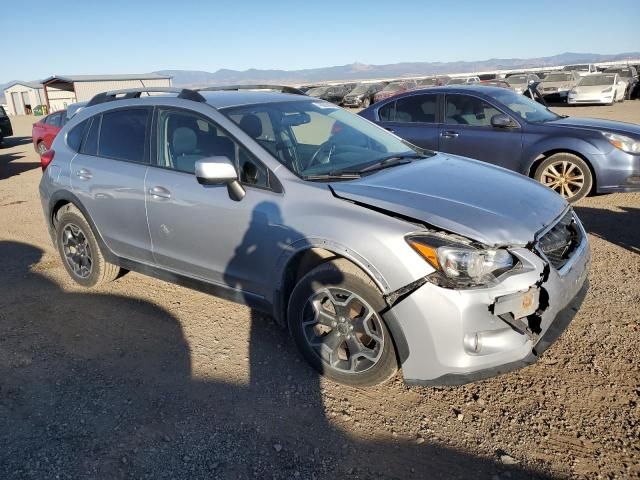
[(373, 252), (600, 88), (558, 84)]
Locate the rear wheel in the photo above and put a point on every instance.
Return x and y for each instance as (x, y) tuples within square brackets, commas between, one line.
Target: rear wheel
[(334, 319), (79, 250), (42, 148), (567, 174)]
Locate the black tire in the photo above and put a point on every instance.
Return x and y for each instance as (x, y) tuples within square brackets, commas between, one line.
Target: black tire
[(99, 270), (342, 277), (574, 164)]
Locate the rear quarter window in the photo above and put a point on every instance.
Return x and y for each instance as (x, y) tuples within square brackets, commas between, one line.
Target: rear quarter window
[(123, 134), (76, 134)]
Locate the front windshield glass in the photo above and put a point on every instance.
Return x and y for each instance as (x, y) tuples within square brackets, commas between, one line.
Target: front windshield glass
[(392, 87), (623, 72), (558, 77), (524, 107), (579, 68), (517, 79), (315, 137), (314, 92), (427, 82), (594, 80), (362, 88), (457, 81)]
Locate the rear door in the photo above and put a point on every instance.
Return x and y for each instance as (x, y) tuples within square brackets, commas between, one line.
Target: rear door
[(108, 176), (414, 118), (467, 131)]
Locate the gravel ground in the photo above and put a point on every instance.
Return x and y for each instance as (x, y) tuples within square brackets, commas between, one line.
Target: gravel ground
[(144, 379)]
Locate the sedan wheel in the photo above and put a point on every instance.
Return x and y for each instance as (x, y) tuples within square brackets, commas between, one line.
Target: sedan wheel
[(567, 174), (77, 252)]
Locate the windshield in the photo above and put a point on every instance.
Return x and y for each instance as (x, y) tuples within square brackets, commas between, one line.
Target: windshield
[(315, 137), (623, 72), (524, 107), (427, 82), (317, 91), (457, 81), (517, 79), (579, 68), (594, 80), (558, 77), (360, 89), (393, 86)]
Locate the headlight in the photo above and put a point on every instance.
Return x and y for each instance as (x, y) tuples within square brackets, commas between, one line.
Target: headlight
[(621, 142), (607, 90), (458, 264)]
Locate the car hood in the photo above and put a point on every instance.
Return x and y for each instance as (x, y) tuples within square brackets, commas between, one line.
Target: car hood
[(591, 88), (479, 201), (597, 124)]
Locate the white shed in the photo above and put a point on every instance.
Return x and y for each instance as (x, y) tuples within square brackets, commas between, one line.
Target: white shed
[(23, 97), (62, 90)]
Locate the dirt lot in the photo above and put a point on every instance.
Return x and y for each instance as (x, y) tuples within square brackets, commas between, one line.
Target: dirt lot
[(143, 379)]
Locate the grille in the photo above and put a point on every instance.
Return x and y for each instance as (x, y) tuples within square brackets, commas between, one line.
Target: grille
[(561, 241)]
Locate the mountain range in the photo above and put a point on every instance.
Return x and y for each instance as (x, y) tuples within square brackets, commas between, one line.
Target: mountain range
[(360, 71)]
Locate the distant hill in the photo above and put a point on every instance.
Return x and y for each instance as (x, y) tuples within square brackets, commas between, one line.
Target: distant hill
[(360, 71)]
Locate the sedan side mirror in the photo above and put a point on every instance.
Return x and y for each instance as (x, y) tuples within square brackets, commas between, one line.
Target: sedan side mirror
[(220, 171), (503, 121)]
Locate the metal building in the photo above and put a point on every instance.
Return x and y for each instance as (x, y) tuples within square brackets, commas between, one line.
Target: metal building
[(62, 90), (23, 97)]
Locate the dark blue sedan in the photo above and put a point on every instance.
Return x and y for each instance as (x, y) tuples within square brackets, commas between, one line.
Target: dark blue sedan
[(573, 156)]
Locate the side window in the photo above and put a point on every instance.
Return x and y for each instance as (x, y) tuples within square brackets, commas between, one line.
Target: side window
[(75, 135), (387, 113), (184, 138), (90, 144), (467, 110), (123, 134), (417, 108)]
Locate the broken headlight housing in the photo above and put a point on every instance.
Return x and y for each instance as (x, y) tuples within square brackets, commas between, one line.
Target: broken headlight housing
[(459, 264)]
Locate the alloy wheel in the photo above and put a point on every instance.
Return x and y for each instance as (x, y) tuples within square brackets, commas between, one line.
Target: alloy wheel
[(343, 330), (77, 252), (564, 177)]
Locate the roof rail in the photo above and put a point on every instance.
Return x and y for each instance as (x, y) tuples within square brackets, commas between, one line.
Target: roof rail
[(279, 88), (112, 95)]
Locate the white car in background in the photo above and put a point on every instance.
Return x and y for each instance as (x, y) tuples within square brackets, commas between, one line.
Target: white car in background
[(601, 88)]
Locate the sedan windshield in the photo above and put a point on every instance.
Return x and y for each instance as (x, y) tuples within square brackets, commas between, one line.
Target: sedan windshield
[(594, 80), (579, 68), (314, 92), (362, 88), (623, 72), (558, 77), (315, 138), (457, 81), (524, 107), (393, 86), (517, 79), (427, 82)]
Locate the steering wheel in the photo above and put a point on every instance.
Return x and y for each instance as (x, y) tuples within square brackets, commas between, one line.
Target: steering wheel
[(327, 147)]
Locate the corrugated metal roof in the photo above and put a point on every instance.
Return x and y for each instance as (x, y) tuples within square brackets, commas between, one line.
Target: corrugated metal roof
[(104, 78)]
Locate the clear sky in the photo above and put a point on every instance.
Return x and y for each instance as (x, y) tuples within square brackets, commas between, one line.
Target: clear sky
[(137, 36)]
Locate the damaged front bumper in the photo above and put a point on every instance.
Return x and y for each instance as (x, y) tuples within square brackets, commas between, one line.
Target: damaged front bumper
[(451, 337)]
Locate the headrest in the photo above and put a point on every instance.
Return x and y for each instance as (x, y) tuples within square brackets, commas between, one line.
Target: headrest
[(251, 125), (184, 141)]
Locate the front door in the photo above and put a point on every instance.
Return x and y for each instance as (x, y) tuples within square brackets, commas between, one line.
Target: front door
[(108, 177), (467, 131), (414, 118), (198, 230)]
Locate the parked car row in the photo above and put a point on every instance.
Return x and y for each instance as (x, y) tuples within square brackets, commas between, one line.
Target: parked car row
[(6, 130)]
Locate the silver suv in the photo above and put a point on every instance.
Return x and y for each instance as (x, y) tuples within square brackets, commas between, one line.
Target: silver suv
[(373, 252)]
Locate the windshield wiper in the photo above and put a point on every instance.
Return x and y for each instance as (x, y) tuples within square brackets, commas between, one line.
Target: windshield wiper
[(332, 176), (391, 161)]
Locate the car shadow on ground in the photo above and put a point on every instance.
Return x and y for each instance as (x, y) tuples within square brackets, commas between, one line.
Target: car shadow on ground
[(618, 227), (98, 385), (10, 163), (9, 142)]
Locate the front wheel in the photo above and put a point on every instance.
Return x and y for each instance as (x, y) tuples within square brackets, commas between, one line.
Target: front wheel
[(79, 250), (567, 174), (334, 319)]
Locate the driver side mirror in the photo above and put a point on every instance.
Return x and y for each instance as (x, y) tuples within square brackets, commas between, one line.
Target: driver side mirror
[(503, 121), (220, 171)]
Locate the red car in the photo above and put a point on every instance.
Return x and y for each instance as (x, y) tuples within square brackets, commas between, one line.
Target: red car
[(45, 130), (394, 88)]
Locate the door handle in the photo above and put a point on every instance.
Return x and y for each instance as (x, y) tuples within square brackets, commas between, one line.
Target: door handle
[(160, 193), (84, 174), (449, 134)]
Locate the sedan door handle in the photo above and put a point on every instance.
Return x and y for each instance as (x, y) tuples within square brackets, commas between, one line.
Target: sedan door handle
[(160, 193), (449, 134), (84, 174)]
